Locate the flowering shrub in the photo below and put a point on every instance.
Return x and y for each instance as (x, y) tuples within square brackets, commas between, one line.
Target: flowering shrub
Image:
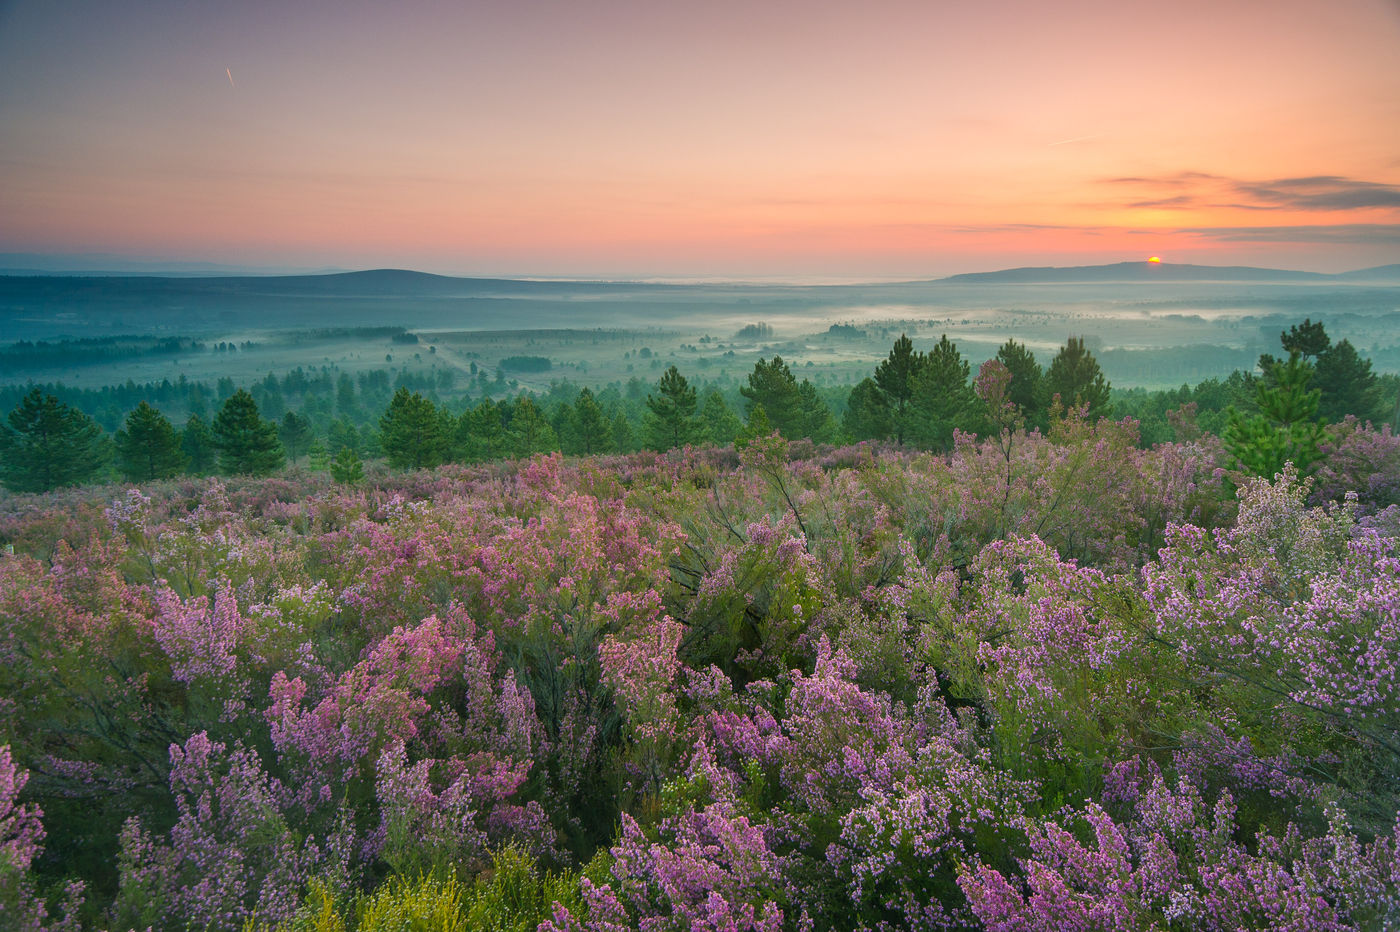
[(1177, 862), (230, 855), (1293, 614), (1044, 679), (709, 869), (1358, 458)]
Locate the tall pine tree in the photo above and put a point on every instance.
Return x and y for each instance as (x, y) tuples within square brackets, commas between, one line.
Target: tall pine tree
[(943, 398), (722, 425), (670, 420), (1075, 377), (1348, 385), (818, 424), (413, 432), (148, 446), (868, 415), (529, 431), (481, 433), (590, 429), (295, 434), (1285, 430), (1024, 390), (773, 388), (199, 445), (1343, 378), (45, 444), (895, 379), (248, 445)]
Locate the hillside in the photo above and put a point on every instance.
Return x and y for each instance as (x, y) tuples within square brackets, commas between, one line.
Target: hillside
[(1137, 272)]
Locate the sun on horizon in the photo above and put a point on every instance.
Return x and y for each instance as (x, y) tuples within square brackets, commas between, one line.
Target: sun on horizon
[(1155, 259)]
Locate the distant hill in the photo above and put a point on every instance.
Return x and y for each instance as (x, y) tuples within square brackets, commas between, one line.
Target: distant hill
[(374, 283), (1141, 272), (1381, 273), (49, 306), (72, 305)]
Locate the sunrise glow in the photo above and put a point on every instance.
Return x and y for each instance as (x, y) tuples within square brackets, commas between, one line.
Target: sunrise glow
[(628, 138)]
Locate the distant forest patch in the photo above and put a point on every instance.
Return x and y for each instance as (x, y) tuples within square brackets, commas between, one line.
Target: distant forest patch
[(90, 351), (526, 364), (754, 332), (396, 334)]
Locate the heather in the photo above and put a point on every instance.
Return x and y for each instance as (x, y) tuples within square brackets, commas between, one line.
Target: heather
[(1044, 679)]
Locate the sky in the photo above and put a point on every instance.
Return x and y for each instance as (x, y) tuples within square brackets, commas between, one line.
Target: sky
[(741, 139)]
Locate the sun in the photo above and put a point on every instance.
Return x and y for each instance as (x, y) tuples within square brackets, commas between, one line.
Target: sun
[(1154, 259)]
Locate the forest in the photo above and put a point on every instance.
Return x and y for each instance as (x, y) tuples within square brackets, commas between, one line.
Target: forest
[(967, 652), (55, 435)]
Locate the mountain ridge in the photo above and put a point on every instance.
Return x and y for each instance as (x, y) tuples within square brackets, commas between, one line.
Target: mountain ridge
[(394, 281), (1145, 271)]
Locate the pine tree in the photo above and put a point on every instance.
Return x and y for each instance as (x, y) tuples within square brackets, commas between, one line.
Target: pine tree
[(868, 415), (412, 432), (818, 424), (1344, 378), (895, 379), (318, 458), (247, 443), (1285, 430), (529, 431), (481, 434), (943, 398), (1308, 339), (346, 467), (1075, 377), (721, 424), (342, 433), (670, 421), (623, 437), (199, 446), (773, 388), (757, 428), (295, 434), (1348, 385), (1026, 377), (148, 446), (46, 444), (345, 395), (591, 431)]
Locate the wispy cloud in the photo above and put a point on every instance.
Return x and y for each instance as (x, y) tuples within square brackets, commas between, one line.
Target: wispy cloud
[(1187, 190), (1180, 200), (1178, 180), (1321, 192), (1322, 234)]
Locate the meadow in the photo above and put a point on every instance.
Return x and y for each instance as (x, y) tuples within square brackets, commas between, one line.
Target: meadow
[(1041, 681)]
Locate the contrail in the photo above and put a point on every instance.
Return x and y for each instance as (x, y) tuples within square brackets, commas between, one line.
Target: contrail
[(1065, 142), (229, 72)]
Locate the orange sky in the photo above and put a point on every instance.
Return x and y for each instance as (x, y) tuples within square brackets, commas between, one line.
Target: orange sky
[(725, 139)]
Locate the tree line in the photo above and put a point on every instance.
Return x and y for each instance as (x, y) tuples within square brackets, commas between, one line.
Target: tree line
[(913, 398)]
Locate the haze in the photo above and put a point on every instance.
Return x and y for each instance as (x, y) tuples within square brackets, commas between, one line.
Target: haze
[(625, 139)]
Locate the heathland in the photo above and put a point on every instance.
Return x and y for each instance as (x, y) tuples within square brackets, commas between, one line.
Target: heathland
[(666, 648)]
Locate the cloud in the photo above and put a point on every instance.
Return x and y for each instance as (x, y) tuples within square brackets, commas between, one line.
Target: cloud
[(1181, 200), (1321, 192), (1323, 234), (998, 228), (1185, 190), (1180, 179)]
